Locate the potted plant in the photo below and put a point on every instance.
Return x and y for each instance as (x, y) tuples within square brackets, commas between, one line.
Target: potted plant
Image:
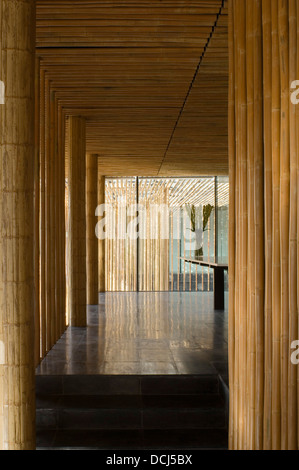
[(199, 228)]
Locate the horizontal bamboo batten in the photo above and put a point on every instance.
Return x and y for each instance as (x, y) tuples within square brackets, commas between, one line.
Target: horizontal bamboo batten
[(132, 71), (263, 161)]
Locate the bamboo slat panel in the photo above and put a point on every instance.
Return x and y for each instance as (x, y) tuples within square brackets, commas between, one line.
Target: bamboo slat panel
[(129, 68)]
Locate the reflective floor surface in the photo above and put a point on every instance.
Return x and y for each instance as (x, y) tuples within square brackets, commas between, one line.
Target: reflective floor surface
[(145, 334)]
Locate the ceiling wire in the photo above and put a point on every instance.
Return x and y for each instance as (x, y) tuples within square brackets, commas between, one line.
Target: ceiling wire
[(192, 82)]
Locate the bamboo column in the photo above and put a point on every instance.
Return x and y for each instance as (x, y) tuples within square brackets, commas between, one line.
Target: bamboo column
[(263, 153), (101, 243), (62, 221), (91, 239), (293, 375), (37, 213), (17, 380), (77, 222), (42, 219)]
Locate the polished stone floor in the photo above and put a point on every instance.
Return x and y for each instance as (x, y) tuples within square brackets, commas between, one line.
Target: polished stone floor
[(145, 334)]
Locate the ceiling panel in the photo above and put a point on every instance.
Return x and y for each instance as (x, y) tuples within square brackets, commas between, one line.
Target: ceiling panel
[(149, 76)]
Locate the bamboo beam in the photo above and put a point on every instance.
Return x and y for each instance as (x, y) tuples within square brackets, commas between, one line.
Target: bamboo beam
[(17, 372)]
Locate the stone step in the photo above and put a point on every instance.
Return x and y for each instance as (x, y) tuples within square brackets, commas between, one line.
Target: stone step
[(126, 385), (168, 439), (130, 412)]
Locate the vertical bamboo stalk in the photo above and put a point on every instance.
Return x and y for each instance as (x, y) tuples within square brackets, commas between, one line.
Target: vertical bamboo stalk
[(297, 160), (233, 270), (276, 367), (101, 243), (251, 352), (52, 216), (37, 213), (243, 214), (293, 280), (267, 71), (77, 222), (62, 222), (48, 247), (91, 239), (269, 418), (17, 372), (179, 246), (259, 219), (42, 176), (284, 213)]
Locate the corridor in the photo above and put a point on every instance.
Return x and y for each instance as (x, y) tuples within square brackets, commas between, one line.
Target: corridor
[(145, 333)]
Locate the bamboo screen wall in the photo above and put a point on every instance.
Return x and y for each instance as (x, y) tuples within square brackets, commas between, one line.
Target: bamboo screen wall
[(145, 251)]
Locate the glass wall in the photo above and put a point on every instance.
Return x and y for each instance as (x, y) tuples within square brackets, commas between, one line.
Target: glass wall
[(222, 201), (165, 223)]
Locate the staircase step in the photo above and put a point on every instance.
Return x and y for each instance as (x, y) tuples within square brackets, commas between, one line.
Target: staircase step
[(126, 385), (130, 412), (108, 412), (157, 439)]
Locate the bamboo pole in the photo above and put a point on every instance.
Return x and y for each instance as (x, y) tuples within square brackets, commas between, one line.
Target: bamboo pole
[(77, 222), (51, 262), (17, 155), (297, 160), (48, 247), (293, 280), (264, 401), (91, 239), (62, 222), (267, 71), (37, 214), (101, 243), (42, 176), (250, 324), (276, 287)]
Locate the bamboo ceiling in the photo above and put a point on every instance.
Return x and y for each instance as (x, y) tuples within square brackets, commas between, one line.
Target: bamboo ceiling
[(150, 77)]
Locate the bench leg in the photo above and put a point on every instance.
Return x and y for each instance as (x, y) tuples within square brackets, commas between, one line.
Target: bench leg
[(219, 289)]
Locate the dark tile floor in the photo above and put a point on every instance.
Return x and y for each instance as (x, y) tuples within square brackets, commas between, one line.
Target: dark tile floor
[(144, 333)]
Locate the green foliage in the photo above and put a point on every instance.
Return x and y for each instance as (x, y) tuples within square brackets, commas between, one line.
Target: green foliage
[(207, 211), (192, 215)]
